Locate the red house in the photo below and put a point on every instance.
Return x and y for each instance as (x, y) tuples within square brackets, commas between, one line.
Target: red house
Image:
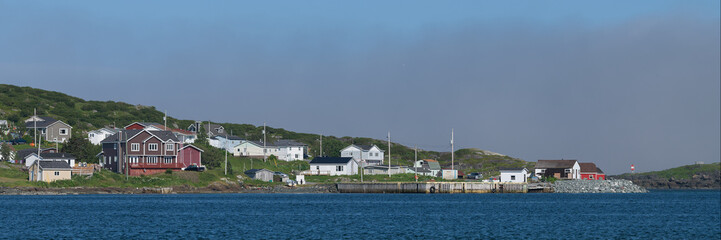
[(146, 152), (589, 171)]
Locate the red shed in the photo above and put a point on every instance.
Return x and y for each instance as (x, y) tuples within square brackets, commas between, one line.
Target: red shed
[(190, 155)]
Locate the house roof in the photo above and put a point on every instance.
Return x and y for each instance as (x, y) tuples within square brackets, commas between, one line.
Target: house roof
[(181, 131), (21, 154), (512, 169), (56, 156), (331, 160), (229, 137), (253, 171), (46, 121), (588, 167), (190, 145), (362, 147), (163, 135), (288, 143), (126, 134), (544, 164), (54, 164), (213, 128)]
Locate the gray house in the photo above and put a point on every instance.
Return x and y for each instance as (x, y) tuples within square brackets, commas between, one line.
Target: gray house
[(264, 175), (53, 130)]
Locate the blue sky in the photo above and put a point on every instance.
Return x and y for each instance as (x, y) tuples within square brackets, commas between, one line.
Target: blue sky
[(612, 82)]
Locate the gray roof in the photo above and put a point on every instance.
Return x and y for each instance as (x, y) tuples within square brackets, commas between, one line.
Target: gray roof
[(46, 156), (512, 169), (331, 160), (288, 143), (163, 135), (545, 164), (54, 164), (126, 134), (214, 128), (41, 124), (253, 171), (21, 154)]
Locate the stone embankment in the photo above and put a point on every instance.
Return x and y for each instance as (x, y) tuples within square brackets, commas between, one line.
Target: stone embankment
[(597, 186)]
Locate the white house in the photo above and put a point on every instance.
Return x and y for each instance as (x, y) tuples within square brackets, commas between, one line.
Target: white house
[(333, 166), (559, 169), (289, 150), (228, 142), (518, 175), (96, 136), (371, 154), (255, 149)]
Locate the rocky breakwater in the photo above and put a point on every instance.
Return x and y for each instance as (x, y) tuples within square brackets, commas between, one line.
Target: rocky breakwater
[(597, 186)]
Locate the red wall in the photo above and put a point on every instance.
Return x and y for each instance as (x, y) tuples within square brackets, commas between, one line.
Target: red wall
[(189, 156)]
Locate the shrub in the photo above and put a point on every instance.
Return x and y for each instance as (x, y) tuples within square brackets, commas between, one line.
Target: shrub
[(168, 171)]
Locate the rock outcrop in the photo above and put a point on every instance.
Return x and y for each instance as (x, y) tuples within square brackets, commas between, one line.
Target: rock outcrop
[(597, 186)]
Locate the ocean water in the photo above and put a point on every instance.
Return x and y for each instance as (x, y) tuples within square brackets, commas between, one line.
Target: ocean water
[(655, 215)]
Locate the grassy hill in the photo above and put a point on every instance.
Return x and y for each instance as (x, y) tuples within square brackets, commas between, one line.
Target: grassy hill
[(17, 103), (682, 172)]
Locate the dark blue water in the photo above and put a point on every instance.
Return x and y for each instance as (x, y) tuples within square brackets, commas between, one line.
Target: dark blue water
[(656, 215)]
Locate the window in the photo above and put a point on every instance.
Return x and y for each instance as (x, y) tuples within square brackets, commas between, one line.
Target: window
[(543, 171), (92, 135), (568, 170), (513, 177), (296, 156), (590, 177), (153, 147), (135, 147), (168, 160), (339, 168), (57, 173), (133, 159), (63, 131), (115, 146), (152, 160), (169, 147)]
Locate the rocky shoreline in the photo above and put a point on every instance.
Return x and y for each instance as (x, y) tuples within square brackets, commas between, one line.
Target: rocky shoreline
[(597, 186), (698, 181)]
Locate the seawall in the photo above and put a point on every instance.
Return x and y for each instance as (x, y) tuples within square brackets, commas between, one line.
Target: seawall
[(432, 187)]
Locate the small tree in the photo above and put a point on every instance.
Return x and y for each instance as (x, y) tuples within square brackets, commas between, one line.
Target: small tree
[(5, 151)]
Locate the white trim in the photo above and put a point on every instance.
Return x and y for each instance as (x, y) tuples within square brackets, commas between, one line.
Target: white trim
[(152, 144)]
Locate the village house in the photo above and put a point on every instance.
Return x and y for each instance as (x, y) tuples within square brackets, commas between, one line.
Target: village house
[(51, 129), (49, 171), (20, 155), (145, 152), (589, 171), (517, 175), (214, 129), (255, 149), (428, 167), (96, 136), (290, 150), (264, 175), (333, 166), (194, 127), (371, 154), (224, 141), (31, 158), (559, 169)]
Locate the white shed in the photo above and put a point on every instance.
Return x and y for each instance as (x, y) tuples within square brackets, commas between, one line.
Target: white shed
[(518, 175), (333, 166)]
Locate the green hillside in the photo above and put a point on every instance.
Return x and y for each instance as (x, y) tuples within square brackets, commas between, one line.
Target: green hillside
[(17, 103), (682, 172)]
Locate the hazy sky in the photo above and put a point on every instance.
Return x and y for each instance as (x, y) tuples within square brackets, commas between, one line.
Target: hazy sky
[(611, 82)]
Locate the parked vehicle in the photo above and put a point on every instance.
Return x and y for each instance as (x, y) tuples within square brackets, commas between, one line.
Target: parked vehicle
[(195, 168), (291, 183), (474, 175), (16, 141)]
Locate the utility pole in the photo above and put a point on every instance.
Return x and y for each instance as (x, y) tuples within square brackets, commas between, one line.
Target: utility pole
[(361, 162), (452, 153), (117, 158), (264, 148), (321, 145), (389, 153), (165, 120), (226, 156)]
